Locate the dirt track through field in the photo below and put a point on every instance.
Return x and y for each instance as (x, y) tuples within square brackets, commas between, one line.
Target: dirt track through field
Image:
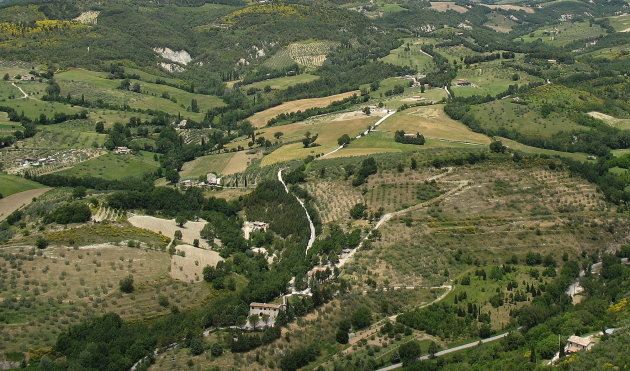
[(11, 203)]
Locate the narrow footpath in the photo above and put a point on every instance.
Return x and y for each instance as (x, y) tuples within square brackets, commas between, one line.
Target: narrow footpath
[(24, 95)]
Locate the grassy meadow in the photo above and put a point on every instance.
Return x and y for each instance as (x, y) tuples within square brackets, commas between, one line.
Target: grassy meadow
[(94, 86), (280, 83)]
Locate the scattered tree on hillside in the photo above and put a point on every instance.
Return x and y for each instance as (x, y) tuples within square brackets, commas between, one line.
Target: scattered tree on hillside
[(126, 284), (41, 243), (343, 140), (79, 192), (497, 147)]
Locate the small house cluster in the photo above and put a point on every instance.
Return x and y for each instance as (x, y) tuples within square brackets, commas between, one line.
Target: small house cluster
[(27, 162), (211, 180)]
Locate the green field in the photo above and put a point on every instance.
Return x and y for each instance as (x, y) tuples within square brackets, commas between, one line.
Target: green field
[(490, 78), (10, 184), (69, 134), (112, 166), (413, 57), (620, 152), (620, 23), (33, 108), (7, 91), (527, 118), (94, 86), (383, 142), (564, 33), (280, 83)]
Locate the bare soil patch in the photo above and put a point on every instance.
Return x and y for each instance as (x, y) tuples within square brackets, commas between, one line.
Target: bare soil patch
[(167, 227), (11, 203)]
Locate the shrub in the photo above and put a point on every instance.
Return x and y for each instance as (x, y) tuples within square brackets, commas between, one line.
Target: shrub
[(41, 243), (126, 284)]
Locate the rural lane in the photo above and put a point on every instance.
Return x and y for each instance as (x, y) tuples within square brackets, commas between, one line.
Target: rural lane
[(311, 239), (452, 350), (24, 95)]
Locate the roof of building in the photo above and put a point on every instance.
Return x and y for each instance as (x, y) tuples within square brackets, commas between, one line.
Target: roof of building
[(580, 340)]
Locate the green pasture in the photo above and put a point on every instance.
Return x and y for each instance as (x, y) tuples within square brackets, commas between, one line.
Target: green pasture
[(33, 108), (280, 83), (414, 57), (10, 184), (112, 166)]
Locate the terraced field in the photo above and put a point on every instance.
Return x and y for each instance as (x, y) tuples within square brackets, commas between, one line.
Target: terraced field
[(310, 53)]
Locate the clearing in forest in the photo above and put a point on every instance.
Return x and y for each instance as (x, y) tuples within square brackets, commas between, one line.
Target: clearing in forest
[(261, 118)]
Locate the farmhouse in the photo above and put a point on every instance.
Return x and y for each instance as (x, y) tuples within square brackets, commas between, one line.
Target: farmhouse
[(577, 344), (249, 227), (260, 309), (122, 150), (212, 179)]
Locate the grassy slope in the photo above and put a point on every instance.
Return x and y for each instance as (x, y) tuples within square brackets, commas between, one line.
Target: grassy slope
[(112, 166), (431, 121)]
